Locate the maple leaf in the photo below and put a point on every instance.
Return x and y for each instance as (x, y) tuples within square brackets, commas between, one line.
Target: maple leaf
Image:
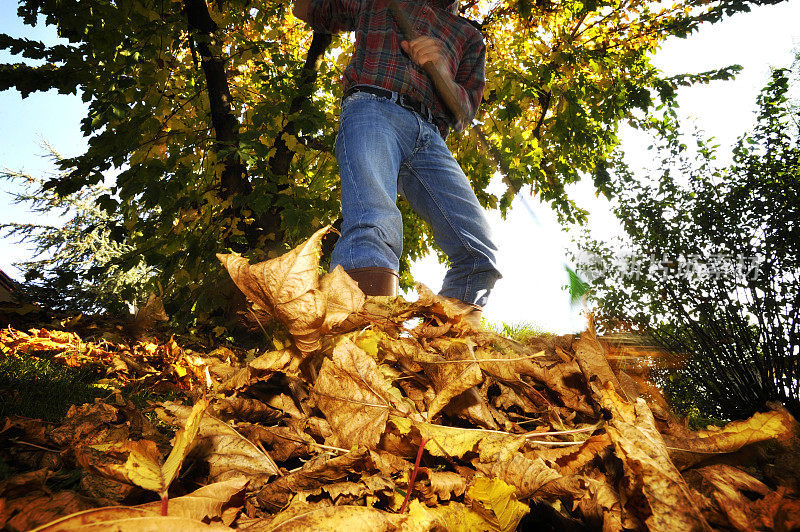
[(344, 297), (289, 287), (354, 397)]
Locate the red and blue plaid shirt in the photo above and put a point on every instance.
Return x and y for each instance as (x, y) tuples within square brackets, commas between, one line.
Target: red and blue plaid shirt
[(378, 59)]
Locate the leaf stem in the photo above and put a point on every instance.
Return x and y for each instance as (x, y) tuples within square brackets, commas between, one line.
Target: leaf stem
[(414, 474)]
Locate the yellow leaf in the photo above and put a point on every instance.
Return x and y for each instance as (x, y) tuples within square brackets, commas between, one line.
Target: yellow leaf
[(183, 442), (453, 517), (143, 466), (497, 501), (456, 442), (368, 341)]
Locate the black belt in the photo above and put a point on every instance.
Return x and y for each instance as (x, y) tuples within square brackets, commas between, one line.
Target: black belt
[(404, 101)]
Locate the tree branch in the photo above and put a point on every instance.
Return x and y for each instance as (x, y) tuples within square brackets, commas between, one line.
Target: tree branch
[(226, 126)]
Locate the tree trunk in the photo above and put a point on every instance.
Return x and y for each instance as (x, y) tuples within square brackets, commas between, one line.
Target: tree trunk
[(226, 126)]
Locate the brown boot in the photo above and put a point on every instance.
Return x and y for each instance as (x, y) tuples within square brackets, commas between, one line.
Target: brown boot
[(376, 281), (473, 318), (472, 312)]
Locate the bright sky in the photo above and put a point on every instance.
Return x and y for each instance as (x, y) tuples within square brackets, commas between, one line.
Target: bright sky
[(531, 255)]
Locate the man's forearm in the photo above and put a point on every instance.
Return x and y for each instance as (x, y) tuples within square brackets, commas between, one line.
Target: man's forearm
[(300, 9)]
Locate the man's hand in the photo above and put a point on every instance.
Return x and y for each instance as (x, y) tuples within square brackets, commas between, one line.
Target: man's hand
[(426, 49)]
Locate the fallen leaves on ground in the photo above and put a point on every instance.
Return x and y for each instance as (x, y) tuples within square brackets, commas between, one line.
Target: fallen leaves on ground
[(322, 431)]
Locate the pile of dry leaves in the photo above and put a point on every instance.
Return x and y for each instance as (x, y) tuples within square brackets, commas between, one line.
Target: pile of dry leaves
[(377, 413)]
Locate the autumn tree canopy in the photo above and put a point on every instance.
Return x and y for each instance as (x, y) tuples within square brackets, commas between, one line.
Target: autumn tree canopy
[(220, 117)]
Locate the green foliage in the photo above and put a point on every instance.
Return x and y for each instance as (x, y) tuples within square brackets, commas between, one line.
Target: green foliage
[(78, 264), (578, 288), (713, 260), (223, 140)]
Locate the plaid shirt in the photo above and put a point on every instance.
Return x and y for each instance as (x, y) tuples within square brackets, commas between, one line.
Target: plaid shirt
[(378, 59)]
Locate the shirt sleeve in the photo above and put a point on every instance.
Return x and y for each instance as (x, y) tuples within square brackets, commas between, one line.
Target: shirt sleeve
[(334, 16), (470, 80)]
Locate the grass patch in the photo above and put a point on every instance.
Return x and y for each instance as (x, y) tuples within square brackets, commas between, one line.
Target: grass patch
[(520, 332), (42, 389)]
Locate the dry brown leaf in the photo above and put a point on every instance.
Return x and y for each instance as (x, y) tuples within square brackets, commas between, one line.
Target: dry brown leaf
[(221, 501), (527, 475), (122, 522), (503, 358), (448, 308), (91, 424), (283, 443), (313, 474), (283, 360), (657, 493), (600, 505), (726, 485), (107, 491), (471, 405), (301, 515), (76, 520), (227, 452), (779, 510), (450, 375), (343, 295), (777, 424), (591, 357), (456, 442), (286, 287), (508, 398), (570, 460), (152, 312), (304, 317), (564, 380), (27, 502), (354, 397), (347, 492), (245, 408), (443, 485)]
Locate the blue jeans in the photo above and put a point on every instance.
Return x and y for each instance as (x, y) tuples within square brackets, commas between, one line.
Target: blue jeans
[(384, 149)]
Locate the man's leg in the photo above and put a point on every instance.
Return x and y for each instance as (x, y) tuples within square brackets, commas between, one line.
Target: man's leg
[(369, 151), (437, 189)]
